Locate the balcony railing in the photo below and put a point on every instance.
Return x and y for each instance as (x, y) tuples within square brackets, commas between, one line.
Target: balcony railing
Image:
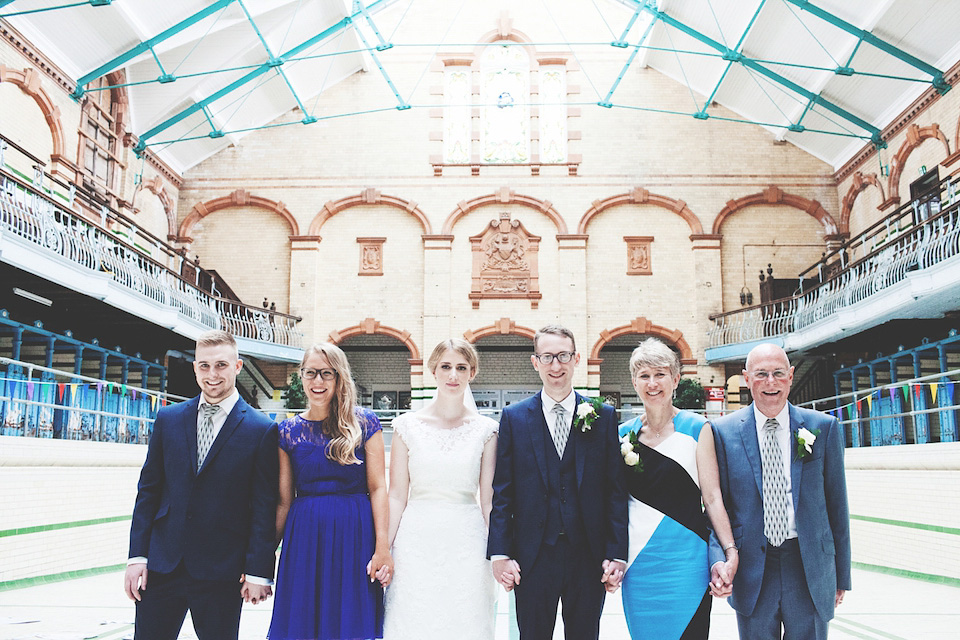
[(37, 218), (890, 250)]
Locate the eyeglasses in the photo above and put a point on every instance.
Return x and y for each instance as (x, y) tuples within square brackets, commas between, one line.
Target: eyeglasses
[(563, 357), (779, 374), (310, 374)]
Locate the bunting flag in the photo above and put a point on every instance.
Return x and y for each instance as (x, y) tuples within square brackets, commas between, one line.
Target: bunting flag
[(153, 403), (273, 416), (905, 390), (61, 387), (860, 405), (933, 392), (870, 402), (123, 389), (99, 387), (109, 387), (29, 390), (290, 415), (163, 402), (133, 393), (918, 390), (950, 392), (893, 393), (73, 390)]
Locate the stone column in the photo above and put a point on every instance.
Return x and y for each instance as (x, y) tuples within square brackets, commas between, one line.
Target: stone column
[(304, 262), (436, 311), (572, 289), (709, 301)]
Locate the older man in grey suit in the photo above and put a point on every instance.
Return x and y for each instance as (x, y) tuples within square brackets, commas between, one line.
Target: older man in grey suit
[(782, 477)]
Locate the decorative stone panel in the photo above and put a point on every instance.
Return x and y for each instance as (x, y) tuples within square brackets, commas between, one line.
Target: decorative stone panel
[(371, 256), (639, 262), (505, 263)]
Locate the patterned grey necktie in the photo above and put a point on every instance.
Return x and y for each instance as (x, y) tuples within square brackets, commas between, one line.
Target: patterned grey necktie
[(561, 429), (774, 486), (205, 432)]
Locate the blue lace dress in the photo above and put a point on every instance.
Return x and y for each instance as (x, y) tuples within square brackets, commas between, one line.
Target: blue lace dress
[(322, 588)]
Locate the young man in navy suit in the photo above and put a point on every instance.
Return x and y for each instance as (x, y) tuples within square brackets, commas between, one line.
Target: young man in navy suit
[(783, 483), (202, 536), (559, 517)]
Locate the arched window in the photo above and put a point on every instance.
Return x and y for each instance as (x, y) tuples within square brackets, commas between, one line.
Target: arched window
[(457, 126), (505, 96)]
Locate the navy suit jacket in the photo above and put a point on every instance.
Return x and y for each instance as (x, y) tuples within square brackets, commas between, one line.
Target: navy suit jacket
[(519, 514), (819, 489), (218, 520)]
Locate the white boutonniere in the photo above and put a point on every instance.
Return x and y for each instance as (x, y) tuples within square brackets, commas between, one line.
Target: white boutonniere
[(587, 412), (629, 447), (805, 440)]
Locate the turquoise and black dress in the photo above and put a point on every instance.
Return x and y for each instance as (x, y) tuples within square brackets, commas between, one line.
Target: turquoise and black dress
[(665, 589)]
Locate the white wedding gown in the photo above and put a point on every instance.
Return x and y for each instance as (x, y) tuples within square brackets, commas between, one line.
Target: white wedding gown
[(443, 588)]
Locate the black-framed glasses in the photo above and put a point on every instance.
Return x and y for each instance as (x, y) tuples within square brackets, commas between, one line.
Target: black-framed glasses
[(310, 374), (563, 357), (778, 374)]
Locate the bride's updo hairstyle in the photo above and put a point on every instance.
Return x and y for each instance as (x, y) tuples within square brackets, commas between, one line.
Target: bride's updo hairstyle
[(461, 346), (342, 425)]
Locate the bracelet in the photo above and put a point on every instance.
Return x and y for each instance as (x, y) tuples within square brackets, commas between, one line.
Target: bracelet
[(732, 545)]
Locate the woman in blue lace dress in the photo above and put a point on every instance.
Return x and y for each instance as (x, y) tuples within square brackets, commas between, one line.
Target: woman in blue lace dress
[(332, 513)]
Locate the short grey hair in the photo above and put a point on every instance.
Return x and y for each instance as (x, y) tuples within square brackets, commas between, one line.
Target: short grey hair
[(654, 353)]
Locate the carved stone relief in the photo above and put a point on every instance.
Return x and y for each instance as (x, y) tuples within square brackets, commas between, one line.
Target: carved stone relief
[(505, 262), (638, 255), (371, 256)]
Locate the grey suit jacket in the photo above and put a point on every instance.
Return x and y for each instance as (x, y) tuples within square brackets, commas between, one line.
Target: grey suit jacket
[(819, 501)]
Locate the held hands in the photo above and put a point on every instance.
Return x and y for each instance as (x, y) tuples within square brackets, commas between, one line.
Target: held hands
[(507, 573), (613, 571), (380, 567), (135, 579), (254, 593), (722, 574)]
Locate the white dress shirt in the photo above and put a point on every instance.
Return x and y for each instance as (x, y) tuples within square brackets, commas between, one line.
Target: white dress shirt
[(785, 441), (547, 403)]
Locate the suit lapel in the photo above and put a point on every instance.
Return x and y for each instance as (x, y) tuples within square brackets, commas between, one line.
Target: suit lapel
[(748, 435), (189, 424), (233, 421), (581, 449), (537, 428), (796, 464)]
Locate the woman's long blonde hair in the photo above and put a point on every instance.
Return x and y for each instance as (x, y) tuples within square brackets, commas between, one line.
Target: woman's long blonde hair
[(343, 424)]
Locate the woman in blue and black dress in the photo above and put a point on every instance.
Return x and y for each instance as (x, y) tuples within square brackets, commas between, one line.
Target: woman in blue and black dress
[(670, 465), (333, 511)]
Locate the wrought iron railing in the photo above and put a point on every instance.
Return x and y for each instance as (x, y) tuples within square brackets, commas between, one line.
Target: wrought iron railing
[(33, 216), (919, 245)]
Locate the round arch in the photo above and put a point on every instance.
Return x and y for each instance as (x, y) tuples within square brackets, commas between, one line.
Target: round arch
[(916, 135), (860, 183), (370, 326), (239, 198), (28, 81), (367, 197), (643, 326), (504, 196), (775, 195), (503, 326), (640, 195), (155, 186)]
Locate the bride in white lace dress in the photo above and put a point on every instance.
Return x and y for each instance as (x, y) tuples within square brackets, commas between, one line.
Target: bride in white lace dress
[(442, 458)]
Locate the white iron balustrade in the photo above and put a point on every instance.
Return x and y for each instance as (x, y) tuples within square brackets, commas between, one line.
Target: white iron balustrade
[(925, 246), (32, 217)]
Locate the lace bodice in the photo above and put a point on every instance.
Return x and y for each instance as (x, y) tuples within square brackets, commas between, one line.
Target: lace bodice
[(444, 464), (313, 472)]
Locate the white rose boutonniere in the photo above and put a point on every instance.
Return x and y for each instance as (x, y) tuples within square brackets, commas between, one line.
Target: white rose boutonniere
[(629, 447), (805, 440), (587, 412)]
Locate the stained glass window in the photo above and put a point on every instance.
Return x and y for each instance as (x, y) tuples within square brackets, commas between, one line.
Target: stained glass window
[(553, 113), (505, 95), (456, 115)]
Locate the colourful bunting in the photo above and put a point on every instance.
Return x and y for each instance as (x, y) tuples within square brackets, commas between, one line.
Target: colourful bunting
[(29, 389), (61, 388), (123, 389), (933, 392), (893, 393), (870, 402), (950, 392), (73, 390)]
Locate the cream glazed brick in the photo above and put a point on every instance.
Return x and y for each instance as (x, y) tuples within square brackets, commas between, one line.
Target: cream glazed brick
[(51, 552)]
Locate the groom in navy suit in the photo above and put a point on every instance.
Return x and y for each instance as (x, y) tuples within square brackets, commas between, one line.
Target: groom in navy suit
[(783, 483), (205, 513), (559, 517)]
